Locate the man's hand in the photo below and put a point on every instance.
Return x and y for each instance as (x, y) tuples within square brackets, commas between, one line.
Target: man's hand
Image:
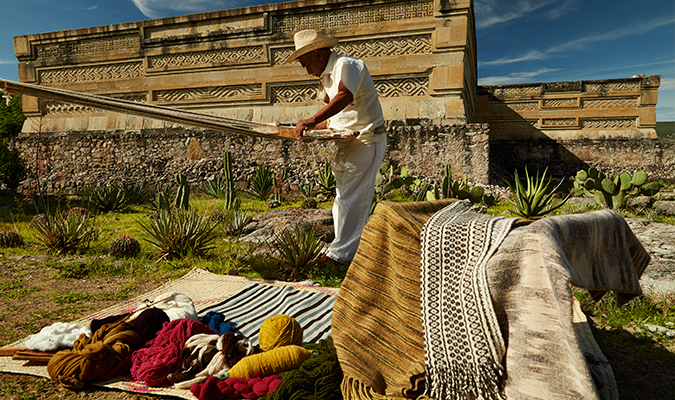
[(304, 126)]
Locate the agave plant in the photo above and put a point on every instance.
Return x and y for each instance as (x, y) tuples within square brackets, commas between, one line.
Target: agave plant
[(107, 199), (137, 193), (235, 222), (179, 233), (214, 188), (298, 249), (326, 177), (64, 233), (262, 182), (534, 200), (11, 239)]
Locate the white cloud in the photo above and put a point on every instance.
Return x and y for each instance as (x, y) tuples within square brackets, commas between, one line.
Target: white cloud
[(494, 12), (163, 8), (515, 77), (582, 42), (667, 84), (8, 62)]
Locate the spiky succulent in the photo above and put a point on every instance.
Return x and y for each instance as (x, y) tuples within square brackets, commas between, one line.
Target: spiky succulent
[(124, 247), (10, 239)]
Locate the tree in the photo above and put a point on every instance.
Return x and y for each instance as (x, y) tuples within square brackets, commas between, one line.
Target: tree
[(11, 117), (12, 165)]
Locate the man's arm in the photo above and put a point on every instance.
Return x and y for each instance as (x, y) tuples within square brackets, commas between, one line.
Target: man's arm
[(341, 100)]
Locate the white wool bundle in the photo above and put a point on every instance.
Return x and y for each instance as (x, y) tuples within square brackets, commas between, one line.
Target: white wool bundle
[(176, 305), (55, 336)]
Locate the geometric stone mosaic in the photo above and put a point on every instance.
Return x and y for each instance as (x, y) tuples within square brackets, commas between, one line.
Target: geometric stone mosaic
[(92, 73), (87, 47), (386, 87), (206, 58), (555, 103), (217, 92), (603, 87), (59, 108), (609, 103), (511, 92), (558, 122), (371, 48), (608, 123), (352, 16), (522, 105)]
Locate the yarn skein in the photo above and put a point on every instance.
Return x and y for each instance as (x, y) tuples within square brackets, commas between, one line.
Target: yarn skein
[(270, 362), (279, 330)]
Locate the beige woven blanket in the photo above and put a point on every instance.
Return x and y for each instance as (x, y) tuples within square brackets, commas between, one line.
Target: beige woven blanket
[(377, 326)]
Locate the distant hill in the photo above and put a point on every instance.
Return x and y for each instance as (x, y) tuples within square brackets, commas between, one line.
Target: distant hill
[(665, 130)]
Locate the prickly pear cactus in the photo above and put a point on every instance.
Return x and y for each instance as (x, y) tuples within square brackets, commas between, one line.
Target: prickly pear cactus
[(613, 193), (10, 239), (124, 247)]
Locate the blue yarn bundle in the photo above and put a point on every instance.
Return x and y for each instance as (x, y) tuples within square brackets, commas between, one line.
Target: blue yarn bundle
[(216, 321)]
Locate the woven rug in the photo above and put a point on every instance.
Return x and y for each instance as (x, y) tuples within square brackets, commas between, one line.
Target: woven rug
[(463, 346), (210, 292)]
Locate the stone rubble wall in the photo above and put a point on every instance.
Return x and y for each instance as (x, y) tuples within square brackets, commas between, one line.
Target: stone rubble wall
[(75, 160)]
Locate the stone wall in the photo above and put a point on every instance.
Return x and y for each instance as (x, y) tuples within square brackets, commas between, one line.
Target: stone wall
[(75, 160)]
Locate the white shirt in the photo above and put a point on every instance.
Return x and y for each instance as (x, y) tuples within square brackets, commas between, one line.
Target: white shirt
[(364, 113)]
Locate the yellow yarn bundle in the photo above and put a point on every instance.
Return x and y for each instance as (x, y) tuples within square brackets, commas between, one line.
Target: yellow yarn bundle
[(279, 330), (275, 361)]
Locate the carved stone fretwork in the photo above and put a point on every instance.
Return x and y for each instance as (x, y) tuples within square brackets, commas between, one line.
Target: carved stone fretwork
[(217, 92), (206, 58), (387, 87), (571, 86), (609, 103), (59, 108), (380, 47), (294, 93), (514, 125), (413, 86), (522, 105), (514, 92), (560, 103), (88, 47), (349, 16), (92, 73), (608, 123), (558, 122), (603, 87)]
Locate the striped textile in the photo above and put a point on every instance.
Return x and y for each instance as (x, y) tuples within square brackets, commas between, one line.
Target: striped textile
[(248, 308), (377, 324)]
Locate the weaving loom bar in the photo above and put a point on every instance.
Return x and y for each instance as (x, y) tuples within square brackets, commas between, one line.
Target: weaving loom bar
[(185, 117)]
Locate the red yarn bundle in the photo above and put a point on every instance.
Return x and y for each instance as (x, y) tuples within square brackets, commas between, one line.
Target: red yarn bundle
[(160, 356), (235, 388)]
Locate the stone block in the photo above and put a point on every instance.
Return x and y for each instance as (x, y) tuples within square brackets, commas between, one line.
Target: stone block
[(665, 207)]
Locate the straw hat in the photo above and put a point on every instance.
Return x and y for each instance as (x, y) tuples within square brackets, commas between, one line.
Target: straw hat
[(310, 40)]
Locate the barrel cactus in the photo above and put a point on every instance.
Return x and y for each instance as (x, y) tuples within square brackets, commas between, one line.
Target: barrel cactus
[(10, 239), (124, 247)]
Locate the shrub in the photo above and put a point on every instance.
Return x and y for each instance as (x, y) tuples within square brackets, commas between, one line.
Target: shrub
[(12, 166), (11, 117), (10, 239), (124, 247), (65, 233), (179, 233), (298, 249)]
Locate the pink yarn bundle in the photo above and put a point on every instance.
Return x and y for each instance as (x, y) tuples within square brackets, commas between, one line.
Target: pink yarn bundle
[(160, 356), (235, 388)]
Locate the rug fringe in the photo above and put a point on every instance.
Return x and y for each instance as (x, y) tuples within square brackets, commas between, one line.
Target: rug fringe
[(352, 389), (454, 383)]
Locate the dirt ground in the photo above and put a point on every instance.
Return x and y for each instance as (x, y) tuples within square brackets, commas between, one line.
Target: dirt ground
[(33, 296)]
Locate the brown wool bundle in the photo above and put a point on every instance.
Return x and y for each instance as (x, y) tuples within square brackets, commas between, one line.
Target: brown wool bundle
[(279, 330)]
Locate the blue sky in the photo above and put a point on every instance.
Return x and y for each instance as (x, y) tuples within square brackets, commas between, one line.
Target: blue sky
[(519, 41)]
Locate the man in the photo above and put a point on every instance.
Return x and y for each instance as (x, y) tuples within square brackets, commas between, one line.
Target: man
[(352, 105)]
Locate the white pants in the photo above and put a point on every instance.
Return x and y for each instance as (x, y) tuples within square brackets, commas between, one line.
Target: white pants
[(355, 169)]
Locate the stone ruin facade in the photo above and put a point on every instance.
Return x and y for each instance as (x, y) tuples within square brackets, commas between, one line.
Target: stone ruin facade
[(421, 54)]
